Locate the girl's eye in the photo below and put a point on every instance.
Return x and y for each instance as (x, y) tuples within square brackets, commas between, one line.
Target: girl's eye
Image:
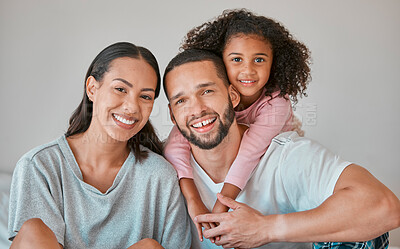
[(236, 59), (146, 97), (259, 60), (120, 89)]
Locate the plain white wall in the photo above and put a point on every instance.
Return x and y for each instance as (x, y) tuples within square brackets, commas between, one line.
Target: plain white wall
[(352, 108)]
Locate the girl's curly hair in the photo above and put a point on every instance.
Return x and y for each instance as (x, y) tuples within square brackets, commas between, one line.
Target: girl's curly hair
[(290, 71)]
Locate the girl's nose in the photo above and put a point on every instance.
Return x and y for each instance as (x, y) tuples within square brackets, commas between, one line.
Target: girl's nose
[(248, 68)]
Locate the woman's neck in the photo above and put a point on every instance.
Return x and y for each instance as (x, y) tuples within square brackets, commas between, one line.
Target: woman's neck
[(92, 150)]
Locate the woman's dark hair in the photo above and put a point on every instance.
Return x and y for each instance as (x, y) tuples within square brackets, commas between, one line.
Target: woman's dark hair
[(82, 116), (290, 72)]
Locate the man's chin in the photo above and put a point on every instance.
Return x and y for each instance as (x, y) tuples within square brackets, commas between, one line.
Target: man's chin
[(205, 143)]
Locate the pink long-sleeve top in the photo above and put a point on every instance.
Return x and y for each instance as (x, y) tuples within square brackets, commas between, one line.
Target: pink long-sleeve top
[(266, 118)]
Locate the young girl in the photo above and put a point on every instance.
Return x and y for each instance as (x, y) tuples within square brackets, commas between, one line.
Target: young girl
[(98, 186), (267, 66)]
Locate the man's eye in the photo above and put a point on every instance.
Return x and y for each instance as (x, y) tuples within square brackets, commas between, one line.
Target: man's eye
[(180, 101), (120, 89), (259, 60), (236, 59), (208, 91)]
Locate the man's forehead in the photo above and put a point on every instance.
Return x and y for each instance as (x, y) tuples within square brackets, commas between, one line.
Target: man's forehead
[(190, 75)]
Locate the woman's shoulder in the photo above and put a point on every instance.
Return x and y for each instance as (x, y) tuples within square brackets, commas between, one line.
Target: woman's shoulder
[(157, 164), (41, 154)]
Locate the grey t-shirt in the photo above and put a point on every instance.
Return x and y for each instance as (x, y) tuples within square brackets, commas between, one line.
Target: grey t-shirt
[(144, 201)]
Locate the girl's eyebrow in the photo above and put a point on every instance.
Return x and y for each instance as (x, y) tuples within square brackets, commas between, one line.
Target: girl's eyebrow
[(124, 81), (242, 54)]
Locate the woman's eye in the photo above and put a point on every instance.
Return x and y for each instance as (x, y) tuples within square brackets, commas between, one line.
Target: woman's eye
[(120, 89), (146, 97), (259, 60), (236, 59)]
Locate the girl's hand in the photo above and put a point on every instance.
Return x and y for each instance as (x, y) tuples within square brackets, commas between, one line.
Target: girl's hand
[(197, 208), (219, 207)]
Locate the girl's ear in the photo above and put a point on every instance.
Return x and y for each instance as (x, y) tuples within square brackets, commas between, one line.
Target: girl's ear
[(91, 87), (234, 94)]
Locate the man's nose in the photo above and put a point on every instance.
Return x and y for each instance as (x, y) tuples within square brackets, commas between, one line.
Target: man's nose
[(196, 107)]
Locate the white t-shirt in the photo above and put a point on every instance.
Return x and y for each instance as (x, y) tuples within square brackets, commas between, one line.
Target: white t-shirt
[(295, 174)]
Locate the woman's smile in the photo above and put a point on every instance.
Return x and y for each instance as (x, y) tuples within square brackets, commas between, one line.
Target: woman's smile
[(124, 122)]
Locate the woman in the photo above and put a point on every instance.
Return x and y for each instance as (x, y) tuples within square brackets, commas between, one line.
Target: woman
[(102, 184)]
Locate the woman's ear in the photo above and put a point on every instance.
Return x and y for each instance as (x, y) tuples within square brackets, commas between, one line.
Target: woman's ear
[(91, 87), (234, 95)]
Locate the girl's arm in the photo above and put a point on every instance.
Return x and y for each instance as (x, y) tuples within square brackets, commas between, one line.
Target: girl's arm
[(177, 152), (269, 120)]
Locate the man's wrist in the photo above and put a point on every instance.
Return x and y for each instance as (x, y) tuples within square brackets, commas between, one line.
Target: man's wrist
[(275, 224)]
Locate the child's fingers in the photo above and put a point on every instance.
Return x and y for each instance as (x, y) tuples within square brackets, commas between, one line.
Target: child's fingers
[(213, 225), (206, 225), (199, 231)]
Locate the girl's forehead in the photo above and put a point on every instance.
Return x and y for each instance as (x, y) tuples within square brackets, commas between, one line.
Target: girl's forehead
[(236, 36)]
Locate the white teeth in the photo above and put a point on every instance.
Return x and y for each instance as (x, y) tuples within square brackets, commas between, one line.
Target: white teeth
[(203, 123), (122, 120), (247, 81)]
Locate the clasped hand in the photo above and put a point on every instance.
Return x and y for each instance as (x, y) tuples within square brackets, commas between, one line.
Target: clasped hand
[(244, 227)]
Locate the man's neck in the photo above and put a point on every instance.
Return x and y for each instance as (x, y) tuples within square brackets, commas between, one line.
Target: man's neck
[(217, 161)]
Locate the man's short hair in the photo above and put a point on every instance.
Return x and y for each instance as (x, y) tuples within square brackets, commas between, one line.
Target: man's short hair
[(196, 55)]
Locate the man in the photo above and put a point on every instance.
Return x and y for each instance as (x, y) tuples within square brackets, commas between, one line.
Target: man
[(303, 192)]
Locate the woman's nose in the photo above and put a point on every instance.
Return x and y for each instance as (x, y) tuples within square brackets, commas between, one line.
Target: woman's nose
[(131, 105)]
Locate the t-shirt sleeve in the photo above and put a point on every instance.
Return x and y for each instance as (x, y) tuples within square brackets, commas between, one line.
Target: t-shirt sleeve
[(309, 173), (177, 152), (31, 196), (270, 119), (176, 233)]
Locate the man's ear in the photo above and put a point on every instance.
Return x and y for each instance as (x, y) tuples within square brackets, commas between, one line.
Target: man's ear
[(91, 86), (234, 94), (171, 115)]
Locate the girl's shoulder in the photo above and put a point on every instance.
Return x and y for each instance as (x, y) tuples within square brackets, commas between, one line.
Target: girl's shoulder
[(269, 102)]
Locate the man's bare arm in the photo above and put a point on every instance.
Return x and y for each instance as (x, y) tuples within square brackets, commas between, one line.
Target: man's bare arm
[(361, 208)]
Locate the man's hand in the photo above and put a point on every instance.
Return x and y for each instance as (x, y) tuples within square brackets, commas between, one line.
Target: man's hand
[(244, 227)]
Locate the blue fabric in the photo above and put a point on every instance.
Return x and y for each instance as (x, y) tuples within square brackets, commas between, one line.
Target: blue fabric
[(379, 243)]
